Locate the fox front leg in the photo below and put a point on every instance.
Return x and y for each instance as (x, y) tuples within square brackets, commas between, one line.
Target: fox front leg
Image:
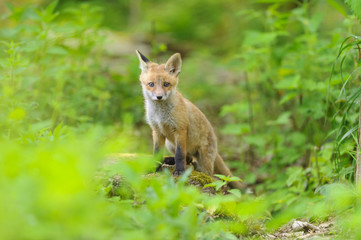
[(180, 153), (158, 142), (171, 161)]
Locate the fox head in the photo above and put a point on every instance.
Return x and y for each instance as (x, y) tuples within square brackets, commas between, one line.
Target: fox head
[(159, 82)]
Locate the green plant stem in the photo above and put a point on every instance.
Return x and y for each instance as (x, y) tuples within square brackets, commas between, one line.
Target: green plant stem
[(317, 167), (250, 104), (358, 158)]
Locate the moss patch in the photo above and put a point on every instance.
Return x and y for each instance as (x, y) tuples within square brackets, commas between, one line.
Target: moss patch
[(200, 179), (116, 185)]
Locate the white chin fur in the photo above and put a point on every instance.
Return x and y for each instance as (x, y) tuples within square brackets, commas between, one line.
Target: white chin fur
[(151, 96)]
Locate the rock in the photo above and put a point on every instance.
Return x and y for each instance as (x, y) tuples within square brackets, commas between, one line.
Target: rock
[(305, 226), (116, 185), (196, 178)]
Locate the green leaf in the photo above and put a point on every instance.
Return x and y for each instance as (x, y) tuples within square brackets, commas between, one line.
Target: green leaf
[(355, 6), (57, 50), (217, 184), (17, 114), (184, 177), (256, 140), (234, 179), (347, 134), (235, 192), (337, 7), (220, 176), (315, 22), (287, 97), (57, 130), (291, 82), (259, 38), (50, 8), (281, 120), (236, 129), (294, 174)]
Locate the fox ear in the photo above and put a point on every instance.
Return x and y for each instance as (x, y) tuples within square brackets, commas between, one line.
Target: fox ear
[(143, 61), (174, 64)]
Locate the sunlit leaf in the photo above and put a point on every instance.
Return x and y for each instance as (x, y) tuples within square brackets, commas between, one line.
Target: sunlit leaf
[(17, 114)]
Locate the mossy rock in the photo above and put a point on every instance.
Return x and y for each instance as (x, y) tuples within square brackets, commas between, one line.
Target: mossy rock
[(116, 185), (196, 178), (200, 179)]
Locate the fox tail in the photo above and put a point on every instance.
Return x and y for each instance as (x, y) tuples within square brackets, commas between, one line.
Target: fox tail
[(221, 168)]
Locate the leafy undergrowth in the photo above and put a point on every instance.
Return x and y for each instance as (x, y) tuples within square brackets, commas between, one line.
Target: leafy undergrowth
[(65, 190), (56, 189), (225, 214)]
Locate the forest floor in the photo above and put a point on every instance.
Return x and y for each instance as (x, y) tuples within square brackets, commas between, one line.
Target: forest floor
[(304, 230), (294, 229)]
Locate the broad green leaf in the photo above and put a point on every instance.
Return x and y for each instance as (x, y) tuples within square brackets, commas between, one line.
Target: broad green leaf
[(17, 114), (223, 177), (51, 7), (282, 119), (294, 174), (217, 184), (291, 82), (236, 129), (258, 38), (288, 97), (236, 192), (57, 50), (337, 6), (234, 179)]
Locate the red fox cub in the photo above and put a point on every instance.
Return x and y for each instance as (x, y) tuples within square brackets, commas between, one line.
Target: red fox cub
[(176, 122)]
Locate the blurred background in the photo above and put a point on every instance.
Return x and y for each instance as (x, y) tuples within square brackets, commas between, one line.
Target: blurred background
[(261, 71), (277, 79)]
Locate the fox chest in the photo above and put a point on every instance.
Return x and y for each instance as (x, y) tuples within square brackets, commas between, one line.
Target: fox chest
[(162, 120)]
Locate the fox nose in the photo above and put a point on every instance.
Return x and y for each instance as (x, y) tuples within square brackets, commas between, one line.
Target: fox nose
[(159, 97)]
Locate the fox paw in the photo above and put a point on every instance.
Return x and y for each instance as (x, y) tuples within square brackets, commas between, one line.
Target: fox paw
[(177, 173), (169, 160)]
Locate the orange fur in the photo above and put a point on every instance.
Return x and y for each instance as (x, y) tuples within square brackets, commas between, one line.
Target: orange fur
[(176, 122)]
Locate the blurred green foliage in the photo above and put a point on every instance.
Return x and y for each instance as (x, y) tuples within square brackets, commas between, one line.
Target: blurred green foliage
[(279, 80)]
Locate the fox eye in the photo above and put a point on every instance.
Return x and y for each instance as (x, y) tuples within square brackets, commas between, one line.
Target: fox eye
[(151, 84), (166, 84)]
